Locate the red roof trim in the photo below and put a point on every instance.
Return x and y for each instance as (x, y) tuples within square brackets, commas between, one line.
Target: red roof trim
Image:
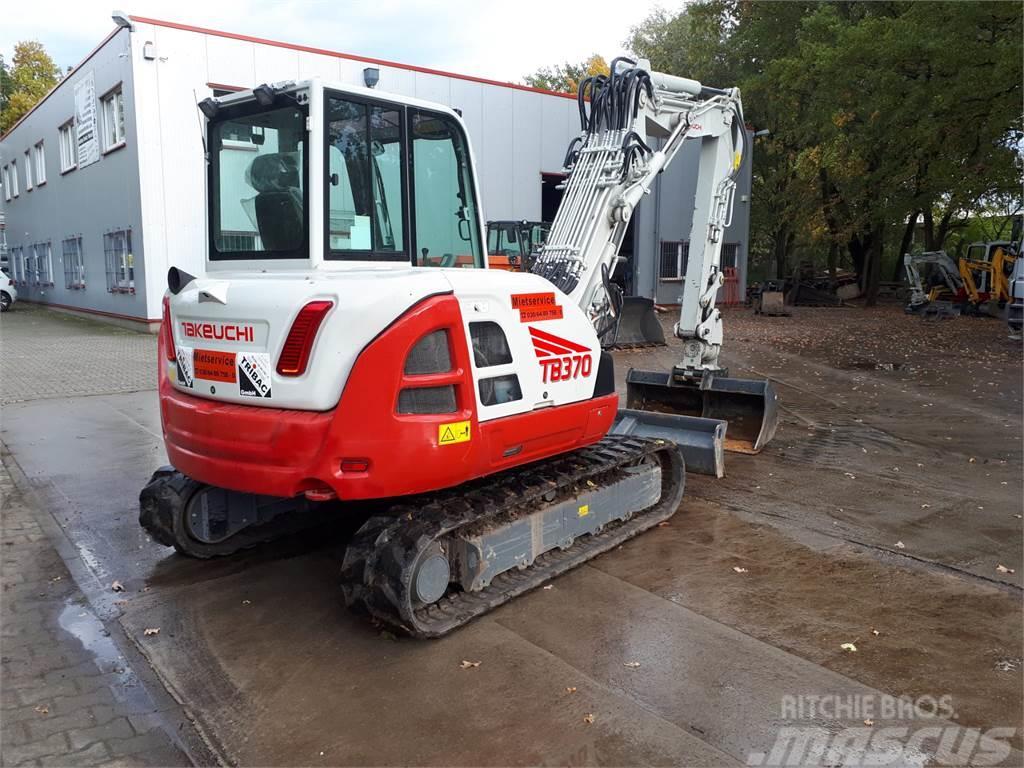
[(49, 93), (350, 57)]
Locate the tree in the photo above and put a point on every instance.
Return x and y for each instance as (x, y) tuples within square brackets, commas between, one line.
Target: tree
[(881, 115), (30, 76), (566, 78)]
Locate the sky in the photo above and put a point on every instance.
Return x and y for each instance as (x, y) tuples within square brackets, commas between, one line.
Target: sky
[(503, 40)]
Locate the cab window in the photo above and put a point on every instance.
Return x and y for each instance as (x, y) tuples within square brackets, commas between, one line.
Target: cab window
[(365, 211), (446, 217)]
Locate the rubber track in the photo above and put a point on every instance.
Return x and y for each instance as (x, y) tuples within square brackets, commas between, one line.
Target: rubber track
[(379, 563), (162, 504)]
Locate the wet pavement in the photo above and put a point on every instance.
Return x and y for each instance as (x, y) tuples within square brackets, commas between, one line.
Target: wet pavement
[(685, 646)]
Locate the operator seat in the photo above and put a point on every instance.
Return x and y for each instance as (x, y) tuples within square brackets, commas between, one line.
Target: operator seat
[(279, 215)]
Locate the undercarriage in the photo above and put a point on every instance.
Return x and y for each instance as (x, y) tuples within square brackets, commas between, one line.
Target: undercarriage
[(426, 565)]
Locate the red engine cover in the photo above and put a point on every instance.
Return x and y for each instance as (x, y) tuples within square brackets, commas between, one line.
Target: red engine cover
[(286, 452)]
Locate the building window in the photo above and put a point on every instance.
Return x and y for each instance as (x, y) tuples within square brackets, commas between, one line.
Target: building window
[(5, 179), (674, 255), (74, 263), (729, 253), (14, 178), (31, 268), (66, 139), (17, 265), (40, 160), (112, 119), (43, 264), (28, 170), (117, 248)]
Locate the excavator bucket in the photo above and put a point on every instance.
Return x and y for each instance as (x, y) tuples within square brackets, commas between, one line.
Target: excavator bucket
[(702, 441), (638, 325), (749, 406)]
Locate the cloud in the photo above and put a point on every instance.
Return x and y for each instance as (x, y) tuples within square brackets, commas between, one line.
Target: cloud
[(499, 40)]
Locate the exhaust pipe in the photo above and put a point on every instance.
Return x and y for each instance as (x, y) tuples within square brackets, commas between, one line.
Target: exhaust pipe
[(750, 406)]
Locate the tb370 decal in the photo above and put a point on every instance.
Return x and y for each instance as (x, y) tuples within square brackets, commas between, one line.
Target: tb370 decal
[(560, 358)]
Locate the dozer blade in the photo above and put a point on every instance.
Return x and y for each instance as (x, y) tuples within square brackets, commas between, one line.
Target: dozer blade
[(702, 441), (749, 406), (638, 325)]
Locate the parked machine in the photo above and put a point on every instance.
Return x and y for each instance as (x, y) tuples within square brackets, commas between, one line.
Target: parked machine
[(323, 362), (511, 243)]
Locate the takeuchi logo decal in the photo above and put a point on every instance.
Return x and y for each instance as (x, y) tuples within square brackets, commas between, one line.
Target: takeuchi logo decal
[(219, 331), (560, 358)]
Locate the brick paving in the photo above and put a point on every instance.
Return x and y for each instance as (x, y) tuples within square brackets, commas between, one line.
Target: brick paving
[(67, 694), (82, 357)]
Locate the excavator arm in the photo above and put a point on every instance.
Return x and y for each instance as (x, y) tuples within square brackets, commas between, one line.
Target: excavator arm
[(611, 166)]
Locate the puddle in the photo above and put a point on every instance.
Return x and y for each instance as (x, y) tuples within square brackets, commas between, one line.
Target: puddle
[(79, 622)]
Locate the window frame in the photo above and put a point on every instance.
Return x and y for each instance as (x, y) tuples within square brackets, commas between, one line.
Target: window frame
[(28, 170), (404, 255), (480, 259), (14, 177), (39, 160), (67, 145), (114, 284), (682, 248), (44, 257), (107, 100), (5, 179), (227, 114), (74, 263)]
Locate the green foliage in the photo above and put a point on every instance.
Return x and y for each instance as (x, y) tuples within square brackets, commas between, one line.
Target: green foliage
[(565, 78), (881, 115), (30, 76)]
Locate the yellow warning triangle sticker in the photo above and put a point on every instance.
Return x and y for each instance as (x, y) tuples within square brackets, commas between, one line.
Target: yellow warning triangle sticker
[(448, 436)]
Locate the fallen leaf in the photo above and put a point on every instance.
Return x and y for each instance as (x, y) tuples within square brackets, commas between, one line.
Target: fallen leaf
[(117, 586), (247, 602), (875, 632), (869, 722), (571, 689), (42, 709), (926, 506), (1003, 569), (900, 545), (666, 524), (549, 586), (632, 664), (469, 664), (588, 718), (738, 569), (150, 631), (971, 460), (849, 647)]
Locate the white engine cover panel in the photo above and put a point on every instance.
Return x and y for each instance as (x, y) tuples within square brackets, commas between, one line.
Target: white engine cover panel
[(555, 351), (245, 334)]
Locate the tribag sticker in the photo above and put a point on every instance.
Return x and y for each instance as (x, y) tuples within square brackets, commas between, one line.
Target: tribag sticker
[(183, 361), (214, 366), (534, 307), (254, 374), (454, 432), (560, 358)]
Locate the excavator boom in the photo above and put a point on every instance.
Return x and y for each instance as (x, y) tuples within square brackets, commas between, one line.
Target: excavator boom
[(635, 125)]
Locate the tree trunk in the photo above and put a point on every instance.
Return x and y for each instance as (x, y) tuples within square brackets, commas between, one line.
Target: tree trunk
[(908, 238), (874, 266), (781, 240), (929, 230), (833, 263)]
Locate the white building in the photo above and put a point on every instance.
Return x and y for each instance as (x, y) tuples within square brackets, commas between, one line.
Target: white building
[(103, 182)]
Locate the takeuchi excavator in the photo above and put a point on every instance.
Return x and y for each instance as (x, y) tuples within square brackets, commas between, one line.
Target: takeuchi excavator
[(347, 349)]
